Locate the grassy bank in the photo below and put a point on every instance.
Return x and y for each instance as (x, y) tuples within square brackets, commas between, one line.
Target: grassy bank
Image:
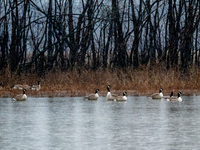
[(142, 81)]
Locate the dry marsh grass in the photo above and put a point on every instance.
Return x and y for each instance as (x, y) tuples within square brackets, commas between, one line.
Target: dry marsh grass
[(142, 81)]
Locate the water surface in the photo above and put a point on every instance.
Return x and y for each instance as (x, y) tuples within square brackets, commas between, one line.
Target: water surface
[(75, 123)]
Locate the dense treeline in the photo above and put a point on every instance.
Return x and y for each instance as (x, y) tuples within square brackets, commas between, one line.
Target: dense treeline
[(39, 36)]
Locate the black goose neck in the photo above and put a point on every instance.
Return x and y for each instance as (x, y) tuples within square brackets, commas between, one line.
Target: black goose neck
[(96, 91), (171, 94), (108, 89), (179, 95)]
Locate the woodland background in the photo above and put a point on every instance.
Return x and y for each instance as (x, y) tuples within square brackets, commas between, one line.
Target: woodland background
[(39, 37)]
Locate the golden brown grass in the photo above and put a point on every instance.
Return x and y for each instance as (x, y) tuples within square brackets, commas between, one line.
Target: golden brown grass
[(141, 81)]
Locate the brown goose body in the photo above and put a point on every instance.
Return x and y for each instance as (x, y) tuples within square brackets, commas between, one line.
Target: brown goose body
[(36, 87), (94, 96), (157, 95), (20, 97), (20, 87), (122, 98)]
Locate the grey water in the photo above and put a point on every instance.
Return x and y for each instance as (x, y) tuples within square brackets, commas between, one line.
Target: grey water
[(77, 124)]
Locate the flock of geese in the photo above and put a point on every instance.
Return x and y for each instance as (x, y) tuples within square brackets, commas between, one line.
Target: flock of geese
[(111, 97), (168, 98), (23, 96), (95, 96)]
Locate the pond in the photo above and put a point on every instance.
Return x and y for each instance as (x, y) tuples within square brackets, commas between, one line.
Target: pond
[(74, 123)]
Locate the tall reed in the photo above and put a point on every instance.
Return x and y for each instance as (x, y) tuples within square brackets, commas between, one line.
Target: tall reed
[(143, 80)]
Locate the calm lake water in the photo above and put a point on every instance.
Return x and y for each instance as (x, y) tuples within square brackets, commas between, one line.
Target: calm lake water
[(74, 123)]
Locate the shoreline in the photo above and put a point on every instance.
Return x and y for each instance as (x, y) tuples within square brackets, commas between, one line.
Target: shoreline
[(82, 93), (141, 82)]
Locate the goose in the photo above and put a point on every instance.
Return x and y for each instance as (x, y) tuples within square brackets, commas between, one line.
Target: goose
[(178, 98), (1, 85), (20, 87), (93, 96), (157, 95), (110, 96), (168, 97), (122, 98), (21, 97), (36, 87)]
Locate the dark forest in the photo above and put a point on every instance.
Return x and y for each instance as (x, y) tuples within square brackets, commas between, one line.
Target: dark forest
[(39, 36)]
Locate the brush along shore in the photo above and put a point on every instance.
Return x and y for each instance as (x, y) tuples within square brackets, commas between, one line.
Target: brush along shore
[(137, 82)]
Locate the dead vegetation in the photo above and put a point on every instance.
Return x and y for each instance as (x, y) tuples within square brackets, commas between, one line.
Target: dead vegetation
[(141, 81)]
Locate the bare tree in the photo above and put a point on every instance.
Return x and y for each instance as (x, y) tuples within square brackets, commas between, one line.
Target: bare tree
[(58, 35)]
